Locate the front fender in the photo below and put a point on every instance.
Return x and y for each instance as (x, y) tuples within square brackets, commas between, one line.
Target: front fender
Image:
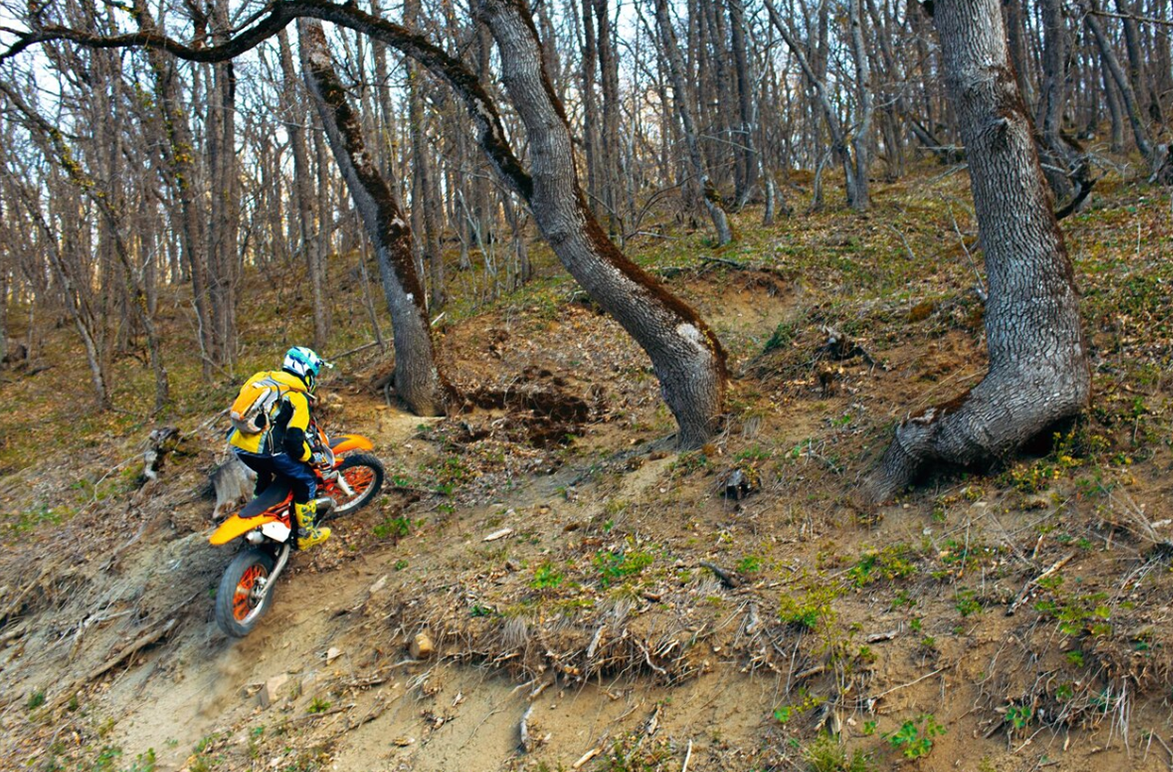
[(347, 442), (236, 526)]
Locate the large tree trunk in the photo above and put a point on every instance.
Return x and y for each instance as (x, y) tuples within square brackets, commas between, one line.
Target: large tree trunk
[(1038, 359), (687, 357), (417, 379)]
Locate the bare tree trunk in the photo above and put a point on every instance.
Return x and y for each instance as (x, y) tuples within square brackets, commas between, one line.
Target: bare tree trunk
[(685, 354), (611, 155), (82, 320), (1038, 358), (838, 140), (1015, 29), (863, 90), (417, 379), (1136, 68), (712, 198), (1116, 137), (225, 199), (1131, 106), (178, 149), (1058, 158), (422, 167), (592, 145), (302, 191), (745, 101)]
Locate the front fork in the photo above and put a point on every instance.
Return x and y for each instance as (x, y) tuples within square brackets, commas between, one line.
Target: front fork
[(271, 580)]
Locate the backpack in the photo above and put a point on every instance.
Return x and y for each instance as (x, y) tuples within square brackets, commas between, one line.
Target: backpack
[(256, 405)]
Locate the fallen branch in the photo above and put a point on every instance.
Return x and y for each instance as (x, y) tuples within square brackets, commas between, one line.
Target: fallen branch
[(1022, 595), (142, 642), (687, 757), (586, 757), (873, 700), (811, 671), (728, 578)]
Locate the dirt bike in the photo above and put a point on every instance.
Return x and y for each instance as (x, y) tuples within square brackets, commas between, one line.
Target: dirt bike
[(246, 589)]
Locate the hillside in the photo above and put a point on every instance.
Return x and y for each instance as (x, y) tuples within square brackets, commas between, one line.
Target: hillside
[(640, 612)]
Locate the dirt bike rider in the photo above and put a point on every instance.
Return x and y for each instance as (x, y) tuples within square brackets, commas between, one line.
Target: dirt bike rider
[(282, 447)]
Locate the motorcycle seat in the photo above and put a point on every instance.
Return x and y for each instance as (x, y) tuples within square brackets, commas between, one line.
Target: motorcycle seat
[(276, 493)]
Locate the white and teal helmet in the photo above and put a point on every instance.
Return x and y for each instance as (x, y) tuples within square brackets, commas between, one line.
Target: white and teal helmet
[(305, 364)]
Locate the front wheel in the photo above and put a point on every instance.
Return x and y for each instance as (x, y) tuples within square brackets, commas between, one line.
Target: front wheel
[(240, 600), (364, 474)]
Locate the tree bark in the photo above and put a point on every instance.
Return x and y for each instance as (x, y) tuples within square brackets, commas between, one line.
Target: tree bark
[(182, 175), (417, 378), (685, 354), (609, 159), (745, 101), (1131, 105), (423, 201), (311, 250), (1038, 370), (224, 233), (1058, 157), (863, 94), (838, 140), (712, 199)]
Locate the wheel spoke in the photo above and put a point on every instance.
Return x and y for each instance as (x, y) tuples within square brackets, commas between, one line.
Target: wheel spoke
[(245, 598)]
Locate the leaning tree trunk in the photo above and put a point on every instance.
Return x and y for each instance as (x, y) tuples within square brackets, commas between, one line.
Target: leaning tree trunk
[(709, 192), (1038, 360), (685, 354), (417, 379), (1131, 103)]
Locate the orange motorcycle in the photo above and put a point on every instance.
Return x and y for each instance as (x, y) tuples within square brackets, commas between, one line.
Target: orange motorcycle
[(266, 523)]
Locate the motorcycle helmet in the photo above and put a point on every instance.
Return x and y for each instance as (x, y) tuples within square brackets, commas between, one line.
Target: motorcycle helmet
[(305, 364)]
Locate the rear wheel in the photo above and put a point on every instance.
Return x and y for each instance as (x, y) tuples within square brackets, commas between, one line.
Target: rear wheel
[(364, 474), (239, 600)]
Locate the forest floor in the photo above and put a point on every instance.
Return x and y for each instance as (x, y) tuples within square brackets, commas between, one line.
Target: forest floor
[(629, 612)]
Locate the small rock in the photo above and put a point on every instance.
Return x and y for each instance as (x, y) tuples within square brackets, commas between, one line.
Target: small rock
[(332, 654), (269, 691), (422, 647), (379, 585)]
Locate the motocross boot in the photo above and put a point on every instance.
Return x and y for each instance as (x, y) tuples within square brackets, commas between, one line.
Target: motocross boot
[(308, 534)]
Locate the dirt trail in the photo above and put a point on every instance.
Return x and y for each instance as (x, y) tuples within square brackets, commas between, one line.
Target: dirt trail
[(640, 613)]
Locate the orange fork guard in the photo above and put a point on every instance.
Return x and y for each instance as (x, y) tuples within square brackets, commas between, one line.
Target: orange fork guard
[(351, 442), (237, 526)]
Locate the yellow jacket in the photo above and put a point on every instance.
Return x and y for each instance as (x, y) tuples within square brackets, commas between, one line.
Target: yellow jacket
[(288, 422)]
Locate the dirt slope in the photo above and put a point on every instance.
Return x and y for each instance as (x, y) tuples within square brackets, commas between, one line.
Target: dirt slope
[(634, 610)]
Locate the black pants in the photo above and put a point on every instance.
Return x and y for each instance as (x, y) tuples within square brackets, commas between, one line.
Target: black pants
[(300, 475)]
